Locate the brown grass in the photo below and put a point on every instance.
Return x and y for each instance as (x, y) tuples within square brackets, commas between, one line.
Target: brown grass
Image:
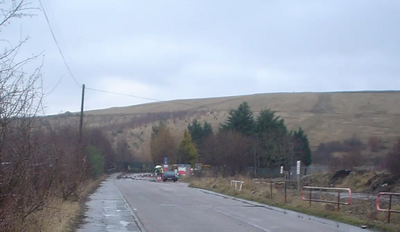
[(358, 182), (59, 215), (360, 212), (324, 116)]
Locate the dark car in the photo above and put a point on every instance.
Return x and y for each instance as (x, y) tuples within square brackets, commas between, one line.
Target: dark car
[(169, 175)]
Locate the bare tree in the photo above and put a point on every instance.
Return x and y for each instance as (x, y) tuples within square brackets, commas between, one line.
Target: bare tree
[(393, 160), (20, 100), (228, 150), (39, 159), (20, 92)]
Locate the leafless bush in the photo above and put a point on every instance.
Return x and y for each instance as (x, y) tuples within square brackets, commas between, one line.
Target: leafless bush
[(393, 160), (323, 154), (39, 160), (228, 151), (36, 164), (24, 175), (22, 187), (35, 161), (42, 163), (374, 144)]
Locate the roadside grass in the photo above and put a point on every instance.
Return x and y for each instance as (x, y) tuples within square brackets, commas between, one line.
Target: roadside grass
[(360, 212), (59, 215)]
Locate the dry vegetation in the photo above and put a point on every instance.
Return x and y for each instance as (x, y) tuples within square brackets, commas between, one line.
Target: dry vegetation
[(46, 170), (60, 215), (324, 117), (44, 176), (360, 212)]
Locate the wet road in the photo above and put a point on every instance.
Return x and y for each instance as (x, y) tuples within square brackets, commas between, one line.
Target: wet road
[(108, 211), (175, 207)]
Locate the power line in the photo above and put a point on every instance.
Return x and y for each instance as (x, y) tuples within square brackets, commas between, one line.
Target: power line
[(72, 75), (70, 71), (58, 46), (124, 94), (134, 96)]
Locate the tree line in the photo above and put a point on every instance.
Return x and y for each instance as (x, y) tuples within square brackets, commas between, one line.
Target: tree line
[(242, 141)]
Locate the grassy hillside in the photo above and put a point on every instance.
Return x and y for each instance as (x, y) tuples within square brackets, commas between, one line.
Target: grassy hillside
[(324, 116)]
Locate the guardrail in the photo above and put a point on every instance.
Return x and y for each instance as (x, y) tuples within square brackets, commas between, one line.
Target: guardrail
[(235, 184), (389, 210), (338, 202)]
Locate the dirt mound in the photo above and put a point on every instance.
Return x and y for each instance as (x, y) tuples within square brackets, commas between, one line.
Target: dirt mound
[(383, 182), (339, 175), (358, 181)]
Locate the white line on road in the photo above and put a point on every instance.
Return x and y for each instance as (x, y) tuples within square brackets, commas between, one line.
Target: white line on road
[(137, 221), (239, 219)]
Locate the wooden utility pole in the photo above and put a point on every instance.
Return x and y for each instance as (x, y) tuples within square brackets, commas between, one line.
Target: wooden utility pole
[(81, 120)]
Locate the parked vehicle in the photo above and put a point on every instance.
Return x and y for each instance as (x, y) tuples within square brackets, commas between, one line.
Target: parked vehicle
[(169, 175)]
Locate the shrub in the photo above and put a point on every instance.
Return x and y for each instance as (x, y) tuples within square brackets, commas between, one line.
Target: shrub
[(96, 161), (393, 160), (374, 144)]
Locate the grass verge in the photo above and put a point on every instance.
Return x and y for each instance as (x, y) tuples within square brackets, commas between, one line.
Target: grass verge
[(358, 213), (59, 215)]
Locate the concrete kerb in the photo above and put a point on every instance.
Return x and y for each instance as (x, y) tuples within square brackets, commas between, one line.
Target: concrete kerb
[(137, 221), (303, 216)]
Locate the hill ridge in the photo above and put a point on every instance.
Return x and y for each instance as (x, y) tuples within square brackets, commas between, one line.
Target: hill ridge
[(325, 116)]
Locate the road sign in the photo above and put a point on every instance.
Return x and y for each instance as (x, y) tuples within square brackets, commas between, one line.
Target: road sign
[(165, 160)]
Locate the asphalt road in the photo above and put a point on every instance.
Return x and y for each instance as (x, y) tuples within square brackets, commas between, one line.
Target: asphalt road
[(107, 211), (175, 207)]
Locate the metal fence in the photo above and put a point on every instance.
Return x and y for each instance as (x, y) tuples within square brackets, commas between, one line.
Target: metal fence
[(136, 167), (389, 209), (275, 172), (335, 190)]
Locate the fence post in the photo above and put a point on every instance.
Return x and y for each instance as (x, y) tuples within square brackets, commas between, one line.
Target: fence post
[(338, 200), (270, 188), (310, 197), (285, 192), (390, 207)]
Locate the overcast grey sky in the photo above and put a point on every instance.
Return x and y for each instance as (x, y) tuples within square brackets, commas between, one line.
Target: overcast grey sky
[(202, 48)]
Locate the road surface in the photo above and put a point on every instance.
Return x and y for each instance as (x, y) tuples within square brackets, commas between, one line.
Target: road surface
[(175, 207), (108, 211)]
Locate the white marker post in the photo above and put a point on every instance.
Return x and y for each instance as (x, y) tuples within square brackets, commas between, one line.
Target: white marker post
[(281, 169), (298, 175)]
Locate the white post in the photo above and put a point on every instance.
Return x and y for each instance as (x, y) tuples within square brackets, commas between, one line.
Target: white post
[(298, 175)]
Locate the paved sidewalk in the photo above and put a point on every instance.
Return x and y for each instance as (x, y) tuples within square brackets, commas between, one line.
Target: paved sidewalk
[(108, 211)]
